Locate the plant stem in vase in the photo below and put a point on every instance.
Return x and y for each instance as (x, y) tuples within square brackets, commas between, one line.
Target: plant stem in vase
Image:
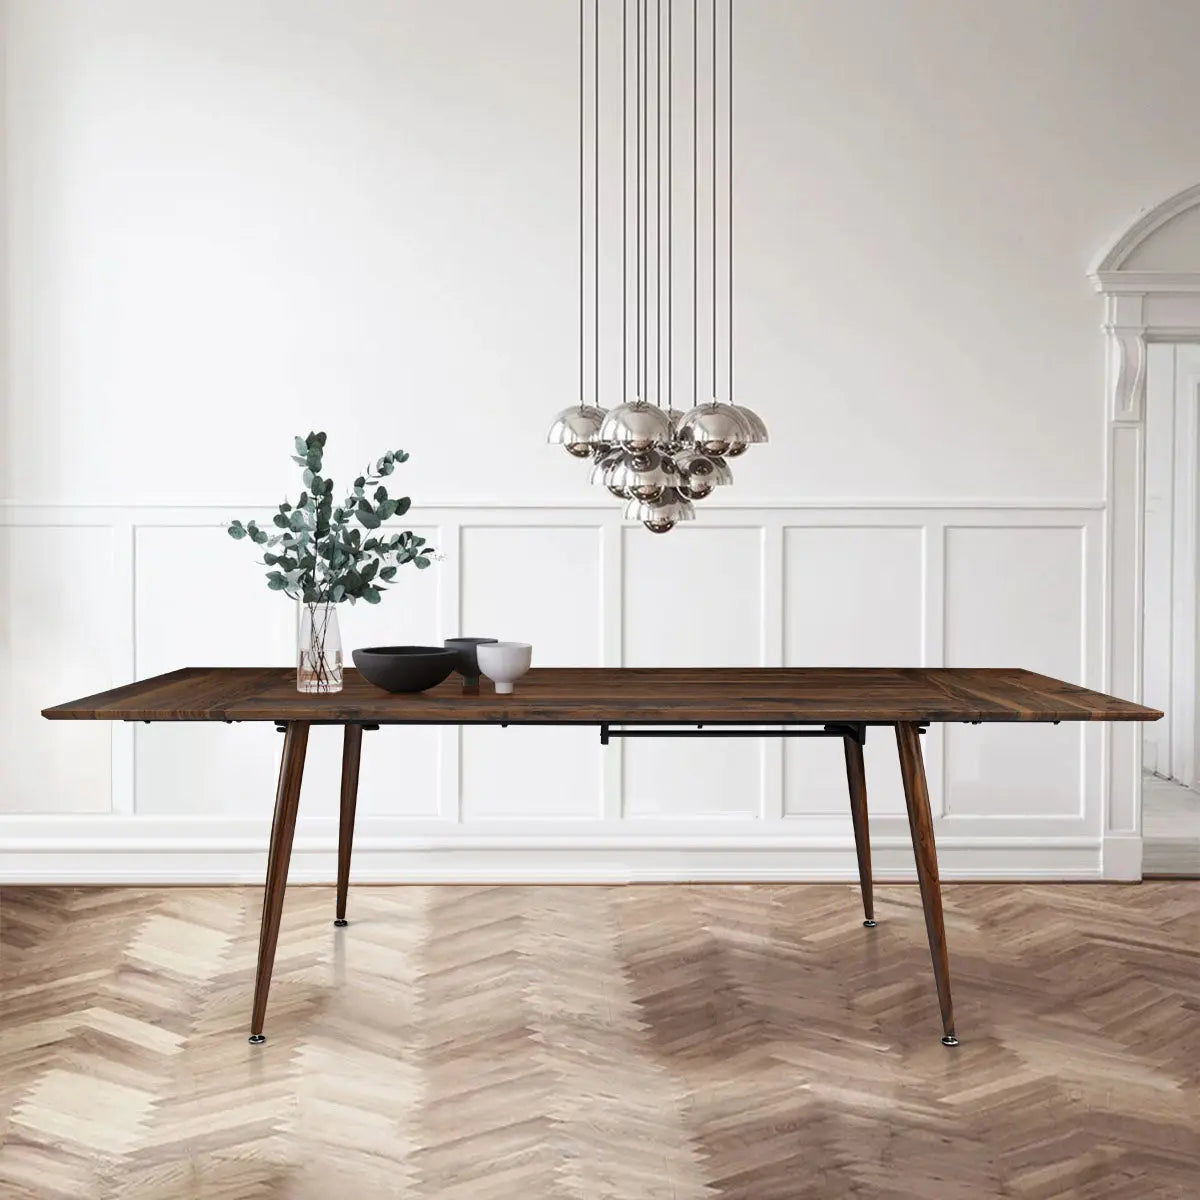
[(319, 650)]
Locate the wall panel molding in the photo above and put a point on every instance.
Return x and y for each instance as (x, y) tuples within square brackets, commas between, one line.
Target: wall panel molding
[(762, 835)]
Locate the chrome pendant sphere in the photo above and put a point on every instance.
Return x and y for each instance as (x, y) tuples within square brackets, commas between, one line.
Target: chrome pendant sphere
[(576, 429), (714, 428), (657, 460), (755, 425), (693, 464), (642, 476), (603, 463), (637, 426), (662, 514)]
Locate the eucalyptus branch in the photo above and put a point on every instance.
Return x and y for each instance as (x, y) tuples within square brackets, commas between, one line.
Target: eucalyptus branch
[(322, 552)]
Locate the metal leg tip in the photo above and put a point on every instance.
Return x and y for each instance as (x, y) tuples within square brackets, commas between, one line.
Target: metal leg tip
[(341, 922), (949, 1040), (257, 1039), (868, 924)]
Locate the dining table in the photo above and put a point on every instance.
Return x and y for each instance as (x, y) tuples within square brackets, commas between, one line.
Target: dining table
[(621, 702)]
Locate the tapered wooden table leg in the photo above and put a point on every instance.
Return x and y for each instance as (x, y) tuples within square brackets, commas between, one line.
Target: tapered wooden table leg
[(920, 824), (856, 777), (351, 754), (283, 827)]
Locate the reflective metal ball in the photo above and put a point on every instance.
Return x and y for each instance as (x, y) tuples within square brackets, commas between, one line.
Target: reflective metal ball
[(576, 426), (714, 428), (694, 465), (696, 489), (646, 491), (671, 507), (659, 525), (637, 426), (756, 427)]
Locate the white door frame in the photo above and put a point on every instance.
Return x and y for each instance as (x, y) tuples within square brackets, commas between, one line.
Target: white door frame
[(1140, 307)]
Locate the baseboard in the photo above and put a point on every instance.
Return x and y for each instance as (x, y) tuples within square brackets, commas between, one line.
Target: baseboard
[(1121, 856), (520, 859)]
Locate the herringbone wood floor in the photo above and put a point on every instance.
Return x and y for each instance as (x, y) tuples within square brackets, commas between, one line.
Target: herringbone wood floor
[(556, 1043)]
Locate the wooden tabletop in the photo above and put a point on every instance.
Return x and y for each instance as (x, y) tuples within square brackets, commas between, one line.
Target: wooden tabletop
[(612, 695)]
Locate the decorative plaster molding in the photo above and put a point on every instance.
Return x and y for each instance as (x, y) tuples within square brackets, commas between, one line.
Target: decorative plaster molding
[(1148, 221), (1115, 283), (1127, 373)]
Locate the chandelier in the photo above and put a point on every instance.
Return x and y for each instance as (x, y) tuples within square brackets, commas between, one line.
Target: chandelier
[(659, 459)]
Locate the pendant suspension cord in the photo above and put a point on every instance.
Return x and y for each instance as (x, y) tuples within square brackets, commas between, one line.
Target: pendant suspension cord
[(658, 222), (637, 195), (624, 200), (582, 221), (670, 203), (596, 202), (695, 202), (644, 188), (729, 185), (714, 201)]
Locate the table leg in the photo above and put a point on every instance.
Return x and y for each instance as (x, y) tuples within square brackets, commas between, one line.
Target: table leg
[(856, 777), (283, 826), (351, 753), (920, 824)]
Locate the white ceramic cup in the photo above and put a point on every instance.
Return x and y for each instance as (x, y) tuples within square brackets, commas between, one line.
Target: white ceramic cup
[(504, 662)]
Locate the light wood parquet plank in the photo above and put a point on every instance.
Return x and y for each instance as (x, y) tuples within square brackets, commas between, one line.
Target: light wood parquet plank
[(537, 1043)]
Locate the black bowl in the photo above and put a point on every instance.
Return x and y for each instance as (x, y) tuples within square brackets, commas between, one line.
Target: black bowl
[(405, 668)]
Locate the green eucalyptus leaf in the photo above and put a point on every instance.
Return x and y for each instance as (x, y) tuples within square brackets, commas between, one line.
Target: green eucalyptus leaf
[(403, 504), (421, 561), (236, 531), (388, 574), (371, 595), (368, 520), (280, 520), (301, 446)]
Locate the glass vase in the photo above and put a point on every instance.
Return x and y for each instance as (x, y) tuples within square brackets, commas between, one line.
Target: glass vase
[(319, 650)]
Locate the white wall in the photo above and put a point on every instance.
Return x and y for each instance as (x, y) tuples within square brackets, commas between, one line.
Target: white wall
[(228, 222)]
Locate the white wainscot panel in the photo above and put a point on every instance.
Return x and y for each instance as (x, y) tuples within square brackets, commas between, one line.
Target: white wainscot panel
[(853, 597), (693, 598), (202, 600), (399, 776), (1014, 598), (57, 622), (540, 585), (233, 620)]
